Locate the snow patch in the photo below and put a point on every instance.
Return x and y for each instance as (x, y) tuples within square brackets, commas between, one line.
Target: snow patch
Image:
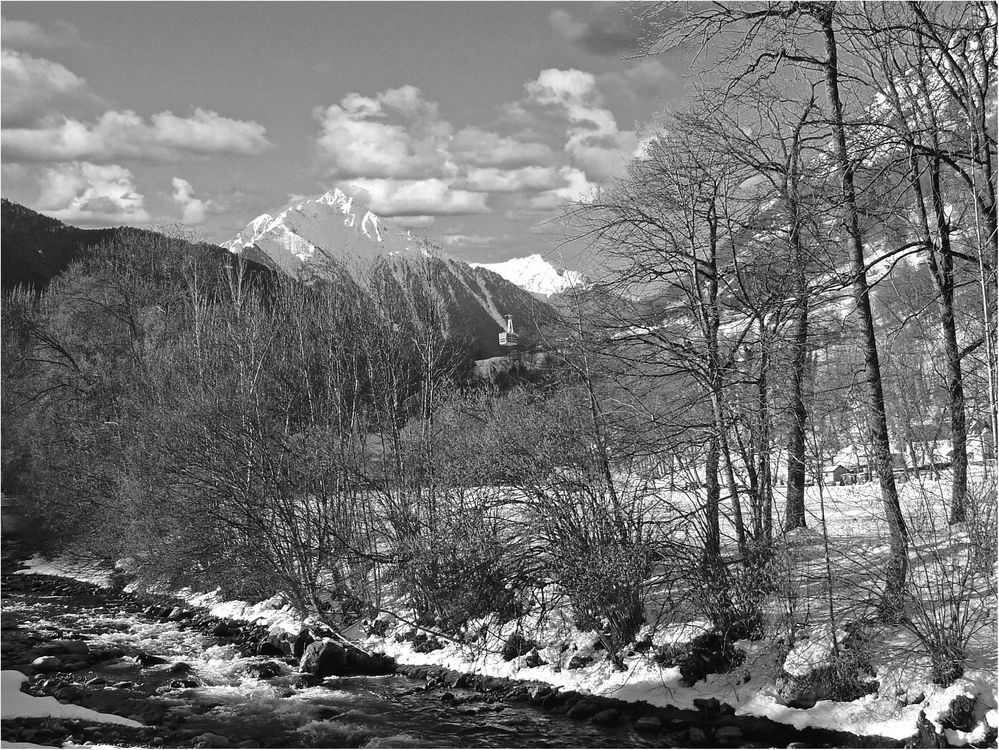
[(17, 705)]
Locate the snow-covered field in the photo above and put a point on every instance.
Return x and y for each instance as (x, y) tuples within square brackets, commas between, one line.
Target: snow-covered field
[(838, 571)]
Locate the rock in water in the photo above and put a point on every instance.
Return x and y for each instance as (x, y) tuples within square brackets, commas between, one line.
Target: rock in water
[(324, 658), (648, 724), (47, 664), (209, 739), (728, 735), (607, 717)]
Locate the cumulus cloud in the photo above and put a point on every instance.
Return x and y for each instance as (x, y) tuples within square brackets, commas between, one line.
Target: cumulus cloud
[(192, 209), (91, 194), (34, 87), (394, 134), (593, 141), (414, 222), (600, 28), (30, 35), (484, 148), (430, 197), (470, 240), (577, 188), (523, 180), (125, 134)]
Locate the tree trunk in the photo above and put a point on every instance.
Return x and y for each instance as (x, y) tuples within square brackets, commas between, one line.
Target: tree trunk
[(877, 423), (712, 541), (794, 513)]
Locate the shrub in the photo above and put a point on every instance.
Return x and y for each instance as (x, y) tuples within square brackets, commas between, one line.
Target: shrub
[(950, 594), (604, 582), (460, 571), (732, 595)]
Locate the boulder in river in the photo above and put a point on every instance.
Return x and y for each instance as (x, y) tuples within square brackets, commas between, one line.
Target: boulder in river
[(324, 658), (607, 717), (47, 664), (210, 739), (650, 724)]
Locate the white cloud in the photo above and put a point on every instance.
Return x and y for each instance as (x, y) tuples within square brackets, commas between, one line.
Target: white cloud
[(91, 194), (395, 134), (484, 148), (193, 209), (125, 134), (469, 240), (28, 34), (414, 222), (594, 142), (523, 180), (34, 87), (577, 188), (431, 197)]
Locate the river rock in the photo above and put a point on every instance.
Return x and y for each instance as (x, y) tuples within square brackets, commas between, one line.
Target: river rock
[(225, 629), (728, 735), (72, 646), (697, 735), (607, 717), (264, 670), (68, 694), (47, 664), (534, 660), (280, 642), (582, 710), (324, 658), (210, 739), (178, 613), (517, 645), (960, 714), (579, 661), (649, 724), (149, 660)]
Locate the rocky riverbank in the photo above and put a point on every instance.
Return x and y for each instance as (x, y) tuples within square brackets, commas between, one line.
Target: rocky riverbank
[(157, 691)]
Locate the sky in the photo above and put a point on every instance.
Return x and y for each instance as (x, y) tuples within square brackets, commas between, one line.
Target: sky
[(471, 123)]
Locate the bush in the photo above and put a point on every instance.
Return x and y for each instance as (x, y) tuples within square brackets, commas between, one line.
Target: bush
[(706, 654), (950, 593), (733, 595), (604, 583), (459, 572)]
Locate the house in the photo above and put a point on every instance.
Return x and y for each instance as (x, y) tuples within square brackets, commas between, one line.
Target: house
[(852, 465)]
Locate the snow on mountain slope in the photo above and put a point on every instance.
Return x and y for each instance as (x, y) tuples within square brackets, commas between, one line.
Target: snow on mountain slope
[(316, 238), (313, 231), (536, 275)]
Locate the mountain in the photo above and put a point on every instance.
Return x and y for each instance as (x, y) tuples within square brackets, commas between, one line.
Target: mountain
[(536, 275), (34, 249), (325, 237)]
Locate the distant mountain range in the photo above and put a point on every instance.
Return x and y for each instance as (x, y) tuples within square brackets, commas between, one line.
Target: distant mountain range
[(320, 238)]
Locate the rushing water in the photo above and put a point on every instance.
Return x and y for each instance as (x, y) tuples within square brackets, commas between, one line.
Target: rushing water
[(224, 695)]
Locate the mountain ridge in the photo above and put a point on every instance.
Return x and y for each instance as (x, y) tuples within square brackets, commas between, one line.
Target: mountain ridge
[(315, 239)]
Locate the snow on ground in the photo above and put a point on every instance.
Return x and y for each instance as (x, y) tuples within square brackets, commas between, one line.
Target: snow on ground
[(18, 705), (67, 566), (856, 539)]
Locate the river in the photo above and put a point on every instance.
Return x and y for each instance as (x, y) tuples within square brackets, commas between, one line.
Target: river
[(190, 689)]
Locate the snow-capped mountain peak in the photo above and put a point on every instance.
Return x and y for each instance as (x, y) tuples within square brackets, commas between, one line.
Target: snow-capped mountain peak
[(536, 275), (317, 229)]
